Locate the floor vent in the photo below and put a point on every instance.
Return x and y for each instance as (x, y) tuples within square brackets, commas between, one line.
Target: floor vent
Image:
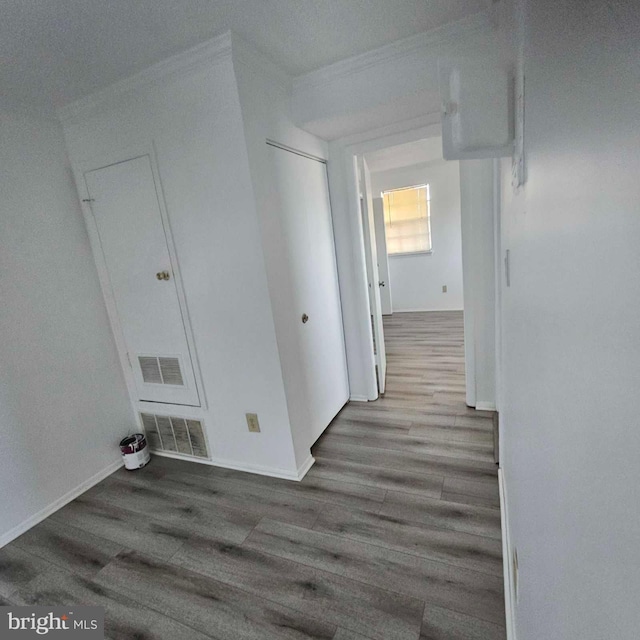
[(158, 370), (178, 435)]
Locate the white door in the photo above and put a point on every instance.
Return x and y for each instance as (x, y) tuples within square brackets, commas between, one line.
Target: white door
[(383, 258), (125, 205), (305, 216), (372, 272)]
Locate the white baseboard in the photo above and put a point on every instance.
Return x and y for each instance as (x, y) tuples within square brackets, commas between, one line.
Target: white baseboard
[(509, 595), (486, 406), (356, 398), (273, 472), (32, 521), (305, 466)]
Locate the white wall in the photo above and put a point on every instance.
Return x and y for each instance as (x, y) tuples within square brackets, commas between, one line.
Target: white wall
[(380, 87), (383, 98), (63, 400), (416, 280), (264, 98), (189, 108), (478, 256), (571, 443)]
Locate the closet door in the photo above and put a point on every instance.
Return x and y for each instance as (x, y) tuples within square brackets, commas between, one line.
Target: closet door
[(124, 199), (305, 216)]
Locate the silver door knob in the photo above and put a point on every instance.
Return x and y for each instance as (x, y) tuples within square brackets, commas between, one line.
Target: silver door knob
[(382, 283), (163, 275), (305, 318)]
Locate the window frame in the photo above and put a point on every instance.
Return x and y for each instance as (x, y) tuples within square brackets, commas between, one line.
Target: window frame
[(428, 251)]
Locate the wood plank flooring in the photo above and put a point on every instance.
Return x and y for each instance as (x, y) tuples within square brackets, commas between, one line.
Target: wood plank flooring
[(393, 534)]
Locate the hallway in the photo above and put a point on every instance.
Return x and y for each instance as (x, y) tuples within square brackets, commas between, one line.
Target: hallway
[(434, 458), (393, 534)]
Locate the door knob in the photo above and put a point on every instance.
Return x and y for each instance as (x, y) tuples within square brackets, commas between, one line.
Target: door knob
[(381, 283), (305, 318), (163, 275)]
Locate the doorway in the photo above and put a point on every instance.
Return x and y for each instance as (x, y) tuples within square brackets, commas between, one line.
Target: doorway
[(411, 221)]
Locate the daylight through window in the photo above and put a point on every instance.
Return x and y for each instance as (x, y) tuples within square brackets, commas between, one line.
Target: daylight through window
[(407, 219)]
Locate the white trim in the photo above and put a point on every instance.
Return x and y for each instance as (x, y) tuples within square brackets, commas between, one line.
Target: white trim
[(305, 466), (163, 408), (199, 56), (273, 472), (427, 41), (298, 152), (509, 596), (357, 398), (25, 525), (497, 246), (485, 406), (270, 73), (411, 186), (101, 160), (404, 254)]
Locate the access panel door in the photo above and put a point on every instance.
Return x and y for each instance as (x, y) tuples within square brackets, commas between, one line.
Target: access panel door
[(124, 199), (305, 215)]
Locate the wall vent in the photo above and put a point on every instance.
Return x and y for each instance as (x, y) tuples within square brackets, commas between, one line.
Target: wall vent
[(178, 435), (160, 370)]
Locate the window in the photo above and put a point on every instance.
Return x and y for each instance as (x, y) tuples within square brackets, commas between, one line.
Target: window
[(407, 220)]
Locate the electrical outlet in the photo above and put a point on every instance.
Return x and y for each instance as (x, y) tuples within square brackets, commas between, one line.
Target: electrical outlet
[(252, 422), (444, 288)]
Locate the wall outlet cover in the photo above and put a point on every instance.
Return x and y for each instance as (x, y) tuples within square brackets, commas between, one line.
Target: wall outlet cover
[(252, 422)]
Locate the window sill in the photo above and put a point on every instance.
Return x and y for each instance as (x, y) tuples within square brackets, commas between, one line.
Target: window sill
[(411, 253)]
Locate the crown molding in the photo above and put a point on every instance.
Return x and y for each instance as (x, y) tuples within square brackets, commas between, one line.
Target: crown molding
[(197, 57), (244, 53), (421, 42)]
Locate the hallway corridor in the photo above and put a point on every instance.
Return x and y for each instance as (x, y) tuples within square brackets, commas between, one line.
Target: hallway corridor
[(434, 458), (394, 534)]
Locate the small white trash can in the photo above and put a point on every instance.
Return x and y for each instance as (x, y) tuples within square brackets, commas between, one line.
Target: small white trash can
[(135, 451)]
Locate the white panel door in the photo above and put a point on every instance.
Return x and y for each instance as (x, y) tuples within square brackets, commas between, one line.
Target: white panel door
[(125, 205), (373, 275), (305, 213), (383, 258)]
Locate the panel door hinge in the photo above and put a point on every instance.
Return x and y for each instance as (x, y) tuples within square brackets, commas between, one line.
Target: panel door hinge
[(88, 200), (129, 360)]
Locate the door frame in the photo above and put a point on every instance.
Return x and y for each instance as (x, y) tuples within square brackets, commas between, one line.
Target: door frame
[(325, 167), (100, 161), (348, 149), (345, 151), (373, 273)]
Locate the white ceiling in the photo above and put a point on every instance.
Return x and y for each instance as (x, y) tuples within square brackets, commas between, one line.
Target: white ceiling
[(55, 51), (405, 155)]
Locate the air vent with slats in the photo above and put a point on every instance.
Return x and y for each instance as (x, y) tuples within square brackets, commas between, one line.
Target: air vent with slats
[(170, 370), (179, 435), (150, 370), (161, 370)]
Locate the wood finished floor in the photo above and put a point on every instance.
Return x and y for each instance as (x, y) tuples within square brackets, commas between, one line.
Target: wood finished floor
[(393, 534)]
